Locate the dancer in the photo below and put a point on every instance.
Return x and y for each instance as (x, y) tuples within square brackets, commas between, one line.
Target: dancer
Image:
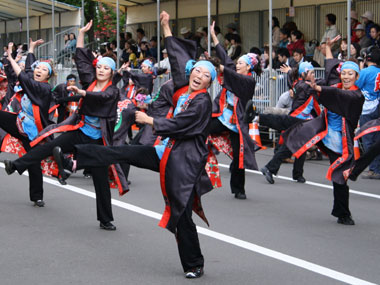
[(181, 157), (304, 107), (94, 124), (333, 132), (67, 101), (27, 111), (228, 112)]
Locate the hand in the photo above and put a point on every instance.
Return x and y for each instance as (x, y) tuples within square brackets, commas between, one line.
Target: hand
[(18, 57), (330, 42), (142, 117), (86, 28), (314, 85), (207, 56), (76, 90), (33, 44), (212, 30), (164, 18), (10, 49), (285, 68)]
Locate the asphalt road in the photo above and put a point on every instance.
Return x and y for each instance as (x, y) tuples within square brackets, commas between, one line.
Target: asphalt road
[(282, 234)]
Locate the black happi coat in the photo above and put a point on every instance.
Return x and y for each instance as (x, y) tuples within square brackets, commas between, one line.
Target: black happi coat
[(102, 104), (243, 87), (346, 103), (182, 167), (303, 94)]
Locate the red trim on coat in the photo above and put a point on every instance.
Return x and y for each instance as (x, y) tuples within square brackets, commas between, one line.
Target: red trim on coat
[(37, 117), (52, 109), (241, 141), (345, 152), (163, 162), (314, 140), (129, 94), (299, 110), (222, 103), (368, 131)]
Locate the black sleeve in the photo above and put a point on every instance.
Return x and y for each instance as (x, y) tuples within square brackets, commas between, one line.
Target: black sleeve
[(225, 59), (141, 79), (83, 61), (345, 103), (180, 51), (242, 86), (332, 76), (74, 98), (30, 59), (9, 72)]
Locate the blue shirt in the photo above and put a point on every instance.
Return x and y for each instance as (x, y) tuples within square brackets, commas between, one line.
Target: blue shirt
[(305, 114), (333, 139), (225, 118), (27, 119), (161, 147), (368, 85), (91, 127)]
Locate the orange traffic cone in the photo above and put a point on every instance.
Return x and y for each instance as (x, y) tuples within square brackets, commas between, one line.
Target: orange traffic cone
[(254, 133), (356, 150)]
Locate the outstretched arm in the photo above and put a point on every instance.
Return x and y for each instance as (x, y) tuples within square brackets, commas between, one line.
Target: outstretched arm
[(164, 18), (82, 32), (15, 66), (329, 44), (33, 44), (213, 35)]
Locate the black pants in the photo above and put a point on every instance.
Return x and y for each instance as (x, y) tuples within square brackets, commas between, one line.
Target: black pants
[(237, 180), (67, 141), (8, 124), (281, 123), (366, 158), (341, 191), (146, 157)]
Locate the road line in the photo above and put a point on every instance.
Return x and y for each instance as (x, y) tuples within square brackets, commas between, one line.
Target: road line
[(310, 183), (333, 274)]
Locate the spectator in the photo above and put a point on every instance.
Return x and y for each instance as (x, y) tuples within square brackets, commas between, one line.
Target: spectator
[(228, 45), (364, 42), (355, 50), (109, 52), (236, 42), (367, 18), (290, 27), (164, 64), (375, 35), (232, 28), (153, 48), (72, 43), (144, 51), (299, 57), (321, 55), (125, 54), (343, 50), (296, 42), (122, 39), (133, 62), (128, 36), (283, 57), (331, 31), (204, 39), (186, 33), (141, 36), (354, 23), (284, 38), (275, 63), (276, 38)]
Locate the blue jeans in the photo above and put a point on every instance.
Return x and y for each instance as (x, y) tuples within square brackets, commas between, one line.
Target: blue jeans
[(370, 139)]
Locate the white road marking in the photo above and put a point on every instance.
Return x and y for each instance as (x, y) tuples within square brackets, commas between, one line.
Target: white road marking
[(227, 239), (310, 183)]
